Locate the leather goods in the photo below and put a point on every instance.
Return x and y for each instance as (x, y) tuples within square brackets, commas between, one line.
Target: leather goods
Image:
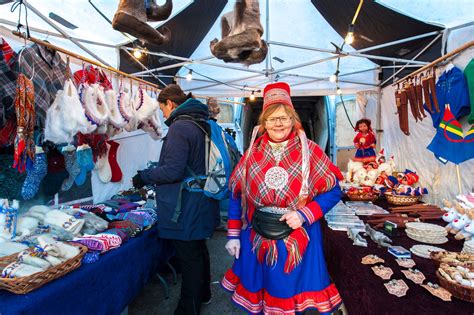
[(419, 98), (269, 226), (403, 112), (432, 84), (426, 92), (412, 99)]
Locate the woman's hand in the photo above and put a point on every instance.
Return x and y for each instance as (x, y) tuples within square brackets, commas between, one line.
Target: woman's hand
[(293, 218), (233, 247)]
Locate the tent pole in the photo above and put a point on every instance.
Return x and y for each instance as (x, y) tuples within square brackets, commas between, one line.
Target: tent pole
[(225, 82), (85, 59), (267, 35), (176, 65), (433, 63), (144, 67), (379, 129), (400, 41), (305, 64), (458, 173), (345, 53), (60, 30), (416, 56)]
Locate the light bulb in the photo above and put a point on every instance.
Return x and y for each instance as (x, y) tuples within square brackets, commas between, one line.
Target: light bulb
[(189, 76), (333, 78), (137, 53), (349, 38), (252, 96), (338, 91)]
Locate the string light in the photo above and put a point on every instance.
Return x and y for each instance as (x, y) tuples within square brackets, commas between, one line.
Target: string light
[(189, 76), (137, 52), (252, 96), (338, 91), (350, 35), (333, 77)]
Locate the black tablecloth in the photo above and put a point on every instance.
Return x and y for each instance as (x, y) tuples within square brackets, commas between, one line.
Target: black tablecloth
[(364, 293)]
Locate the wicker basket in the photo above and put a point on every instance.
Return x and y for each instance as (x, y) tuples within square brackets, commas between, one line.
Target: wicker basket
[(27, 284), (357, 197), (459, 291), (402, 200), (437, 262)]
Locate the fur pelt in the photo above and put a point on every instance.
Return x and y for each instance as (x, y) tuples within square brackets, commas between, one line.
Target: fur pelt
[(241, 35)]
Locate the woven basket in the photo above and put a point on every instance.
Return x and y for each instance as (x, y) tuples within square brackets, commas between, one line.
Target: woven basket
[(459, 291), (355, 197), (402, 200), (438, 262), (29, 283)]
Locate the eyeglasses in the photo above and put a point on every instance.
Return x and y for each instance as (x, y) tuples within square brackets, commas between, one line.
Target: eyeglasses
[(282, 119)]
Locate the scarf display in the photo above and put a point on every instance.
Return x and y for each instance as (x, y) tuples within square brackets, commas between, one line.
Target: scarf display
[(251, 178)]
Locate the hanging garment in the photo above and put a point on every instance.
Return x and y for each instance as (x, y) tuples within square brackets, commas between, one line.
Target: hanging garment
[(24, 153), (469, 73), (451, 89), (449, 143), (48, 72), (8, 79)]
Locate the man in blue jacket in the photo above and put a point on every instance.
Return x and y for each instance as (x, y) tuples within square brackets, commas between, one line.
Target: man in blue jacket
[(185, 217)]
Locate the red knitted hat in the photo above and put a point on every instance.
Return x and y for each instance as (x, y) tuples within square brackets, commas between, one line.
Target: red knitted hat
[(276, 93)]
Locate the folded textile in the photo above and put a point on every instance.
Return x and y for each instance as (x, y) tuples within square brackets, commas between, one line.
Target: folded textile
[(8, 248), (91, 243), (57, 249), (102, 241), (64, 221), (30, 258), (139, 219), (150, 214), (124, 234), (127, 226), (91, 221), (38, 212), (17, 270)]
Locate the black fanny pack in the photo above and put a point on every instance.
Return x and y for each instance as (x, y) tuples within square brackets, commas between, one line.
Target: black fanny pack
[(269, 226)]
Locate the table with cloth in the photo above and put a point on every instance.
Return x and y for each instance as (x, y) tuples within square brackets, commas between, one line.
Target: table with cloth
[(104, 287), (364, 293)]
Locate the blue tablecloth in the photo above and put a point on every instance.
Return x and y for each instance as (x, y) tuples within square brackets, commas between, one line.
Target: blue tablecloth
[(104, 287)]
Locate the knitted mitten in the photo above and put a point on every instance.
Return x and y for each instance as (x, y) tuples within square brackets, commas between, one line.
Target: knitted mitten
[(116, 171), (72, 167), (86, 163), (34, 176)]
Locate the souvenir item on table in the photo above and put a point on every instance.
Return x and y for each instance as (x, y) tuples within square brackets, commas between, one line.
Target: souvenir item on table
[(424, 250), (399, 252), (34, 258), (383, 272), (397, 287), (378, 237), (424, 211), (458, 224), (458, 274), (353, 234), (407, 263), (396, 220), (365, 208), (468, 247), (468, 229), (454, 259), (362, 194), (364, 141), (341, 209), (414, 275), (26, 225), (38, 212), (8, 218), (57, 249), (344, 222), (426, 232), (64, 221), (438, 291), (93, 224), (372, 260), (18, 270), (100, 242)]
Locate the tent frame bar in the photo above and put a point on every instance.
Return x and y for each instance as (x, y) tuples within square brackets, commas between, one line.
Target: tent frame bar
[(85, 59), (435, 62), (60, 30)]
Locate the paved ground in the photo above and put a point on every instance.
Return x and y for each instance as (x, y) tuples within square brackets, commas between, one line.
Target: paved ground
[(152, 299)]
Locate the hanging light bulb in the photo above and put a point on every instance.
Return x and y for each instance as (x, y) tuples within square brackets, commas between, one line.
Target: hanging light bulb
[(333, 77), (189, 76), (137, 52), (252, 96), (350, 35), (338, 91)]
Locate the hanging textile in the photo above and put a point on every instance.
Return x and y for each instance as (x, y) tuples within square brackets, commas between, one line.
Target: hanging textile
[(48, 72), (469, 73), (7, 86)]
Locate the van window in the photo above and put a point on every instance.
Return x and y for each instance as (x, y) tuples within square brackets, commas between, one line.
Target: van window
[(226, 116)]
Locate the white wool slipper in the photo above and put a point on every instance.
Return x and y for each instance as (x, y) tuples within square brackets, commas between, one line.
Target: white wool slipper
[(144, 105), (74, 115), (153, 126), (53, 126), (93, 100), (114, 114), (104, 171), (127, 111)]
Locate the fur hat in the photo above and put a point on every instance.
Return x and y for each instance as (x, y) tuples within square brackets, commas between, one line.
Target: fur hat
[(363, 120), (276, 93)]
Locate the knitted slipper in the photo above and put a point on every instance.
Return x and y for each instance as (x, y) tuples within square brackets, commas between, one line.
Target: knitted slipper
[(127, 111), (72, 167), (144, 105), (35, 175), (103, 168), (114, 114), (85, 161), (115, 167)]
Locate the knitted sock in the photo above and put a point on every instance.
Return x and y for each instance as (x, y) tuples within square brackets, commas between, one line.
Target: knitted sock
[(35, 176), (116, 171), (86, 163), (103, 168), (56, 173), (72, 167)]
